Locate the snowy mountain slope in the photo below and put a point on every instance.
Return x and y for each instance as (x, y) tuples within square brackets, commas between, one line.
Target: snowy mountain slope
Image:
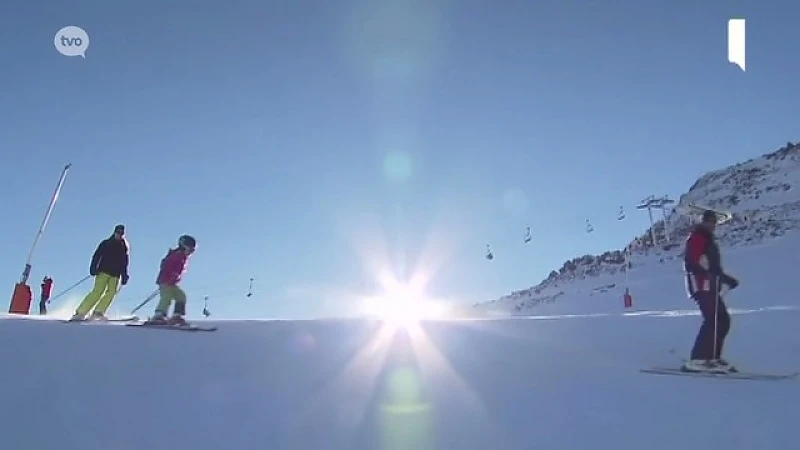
[(766, 272), (565, 379), (762, 194), (563, 383)]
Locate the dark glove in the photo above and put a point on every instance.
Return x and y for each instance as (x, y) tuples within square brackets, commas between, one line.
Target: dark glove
[(730, 281), (92, 271), (125, 278)]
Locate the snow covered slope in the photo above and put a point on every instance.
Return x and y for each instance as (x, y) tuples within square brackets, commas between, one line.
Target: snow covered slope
[(552, 381), (763, 196), (564, 383)]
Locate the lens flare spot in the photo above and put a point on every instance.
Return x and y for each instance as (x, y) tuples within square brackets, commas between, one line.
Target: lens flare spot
[(515, 201), (302, 342), (397, 166)]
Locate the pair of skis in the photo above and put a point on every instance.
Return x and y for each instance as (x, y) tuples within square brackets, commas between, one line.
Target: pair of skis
[(680, 371), (189, 327), (134, 321)]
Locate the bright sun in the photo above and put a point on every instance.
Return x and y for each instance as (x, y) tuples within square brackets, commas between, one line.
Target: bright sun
[(402, 307)]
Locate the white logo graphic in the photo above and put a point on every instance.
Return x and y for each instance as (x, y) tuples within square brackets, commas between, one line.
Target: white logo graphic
[(736, 42), (72, 41)]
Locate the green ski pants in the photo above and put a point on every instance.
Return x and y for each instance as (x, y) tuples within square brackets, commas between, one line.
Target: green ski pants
[(167, 294)]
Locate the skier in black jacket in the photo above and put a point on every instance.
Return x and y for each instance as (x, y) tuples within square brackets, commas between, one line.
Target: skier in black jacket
[(109, 265), (705, 280)]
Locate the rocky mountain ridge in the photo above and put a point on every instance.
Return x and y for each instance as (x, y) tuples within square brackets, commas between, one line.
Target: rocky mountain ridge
[(761, 198)]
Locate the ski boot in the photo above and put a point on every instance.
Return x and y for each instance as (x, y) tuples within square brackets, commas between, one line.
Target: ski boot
[(77, 317), (177, 320), (159, 318), (98, 316), (723, 365), (177, 315), (701, 365), (711, 366)]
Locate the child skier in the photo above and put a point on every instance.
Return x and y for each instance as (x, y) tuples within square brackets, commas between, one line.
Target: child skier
[(173, 267), (47, 286)]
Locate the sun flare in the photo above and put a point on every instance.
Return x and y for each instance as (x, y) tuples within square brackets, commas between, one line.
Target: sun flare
[(402, 306)]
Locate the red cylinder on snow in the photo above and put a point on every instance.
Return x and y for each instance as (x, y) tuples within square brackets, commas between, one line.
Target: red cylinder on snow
[(628, 299), (21, 299)]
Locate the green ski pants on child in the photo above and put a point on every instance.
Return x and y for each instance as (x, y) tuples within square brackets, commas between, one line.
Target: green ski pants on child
[(168, 293)]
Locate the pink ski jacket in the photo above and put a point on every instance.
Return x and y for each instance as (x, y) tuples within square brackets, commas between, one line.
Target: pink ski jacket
[(172, 267)]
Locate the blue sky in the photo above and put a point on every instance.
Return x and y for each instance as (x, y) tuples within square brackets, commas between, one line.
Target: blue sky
[(309, 144)]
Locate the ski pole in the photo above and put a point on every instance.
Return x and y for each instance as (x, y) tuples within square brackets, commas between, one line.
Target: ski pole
[(70, 288), (716, 314), (146, 300)]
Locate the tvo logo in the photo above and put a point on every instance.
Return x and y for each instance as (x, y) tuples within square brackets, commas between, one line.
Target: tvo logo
[(72, 41)]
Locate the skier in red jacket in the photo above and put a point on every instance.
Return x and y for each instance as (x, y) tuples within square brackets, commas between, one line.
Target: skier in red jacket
[(705, 282), (47, 287), (173, 266)]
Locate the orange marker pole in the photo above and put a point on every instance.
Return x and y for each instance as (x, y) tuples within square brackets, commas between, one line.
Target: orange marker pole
[(22, 296)]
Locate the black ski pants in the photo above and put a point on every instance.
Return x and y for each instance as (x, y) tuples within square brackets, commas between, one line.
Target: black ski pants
[(43, 304), (711, 306)]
